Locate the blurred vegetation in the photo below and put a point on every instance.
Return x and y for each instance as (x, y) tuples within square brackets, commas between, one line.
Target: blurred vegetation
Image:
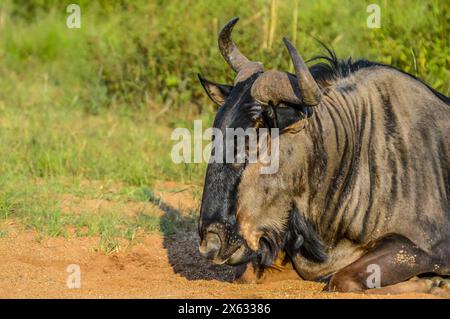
[(100, 102), (147, 53)]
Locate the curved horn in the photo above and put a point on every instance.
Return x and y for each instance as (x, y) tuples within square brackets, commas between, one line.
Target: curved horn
[(310, 91), (275, 86), (228, 49)]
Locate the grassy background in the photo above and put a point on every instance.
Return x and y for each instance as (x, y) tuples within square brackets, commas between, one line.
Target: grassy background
[(99, 103)]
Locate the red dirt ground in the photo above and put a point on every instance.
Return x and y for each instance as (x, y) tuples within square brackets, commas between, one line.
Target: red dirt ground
[(154, 266)]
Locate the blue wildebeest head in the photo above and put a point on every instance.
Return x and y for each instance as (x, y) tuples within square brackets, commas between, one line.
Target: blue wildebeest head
[(257, 99)]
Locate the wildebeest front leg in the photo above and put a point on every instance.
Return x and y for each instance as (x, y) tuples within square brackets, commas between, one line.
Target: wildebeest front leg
[(395, 259)]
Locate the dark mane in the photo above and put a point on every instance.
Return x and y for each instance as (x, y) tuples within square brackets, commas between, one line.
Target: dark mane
[(333, 69)]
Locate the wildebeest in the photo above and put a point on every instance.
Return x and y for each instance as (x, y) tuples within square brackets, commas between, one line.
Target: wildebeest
[(363, 180)]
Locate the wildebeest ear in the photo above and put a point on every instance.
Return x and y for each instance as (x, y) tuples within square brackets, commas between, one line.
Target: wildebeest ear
[(218, 93)]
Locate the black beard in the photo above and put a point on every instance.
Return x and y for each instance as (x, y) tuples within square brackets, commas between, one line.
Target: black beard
[(299, 238)]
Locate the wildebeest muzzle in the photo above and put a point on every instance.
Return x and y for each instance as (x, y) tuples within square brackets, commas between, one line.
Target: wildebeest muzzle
[(222, 244)]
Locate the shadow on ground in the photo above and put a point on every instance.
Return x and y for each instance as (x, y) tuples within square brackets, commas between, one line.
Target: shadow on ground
[(181, 241)]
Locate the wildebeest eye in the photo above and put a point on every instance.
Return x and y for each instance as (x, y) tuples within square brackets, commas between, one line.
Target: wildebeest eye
[(248, 115), (254, 109), (286, 114)]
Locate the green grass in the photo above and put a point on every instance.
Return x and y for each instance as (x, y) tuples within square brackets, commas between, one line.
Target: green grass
[(98, 104), (67, 142), (38, 205)]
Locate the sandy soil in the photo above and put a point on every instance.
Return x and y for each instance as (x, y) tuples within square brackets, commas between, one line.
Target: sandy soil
[(157, 267), (154, 266)]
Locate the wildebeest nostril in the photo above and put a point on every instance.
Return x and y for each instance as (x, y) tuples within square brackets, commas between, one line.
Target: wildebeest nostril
[(210, 246)]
